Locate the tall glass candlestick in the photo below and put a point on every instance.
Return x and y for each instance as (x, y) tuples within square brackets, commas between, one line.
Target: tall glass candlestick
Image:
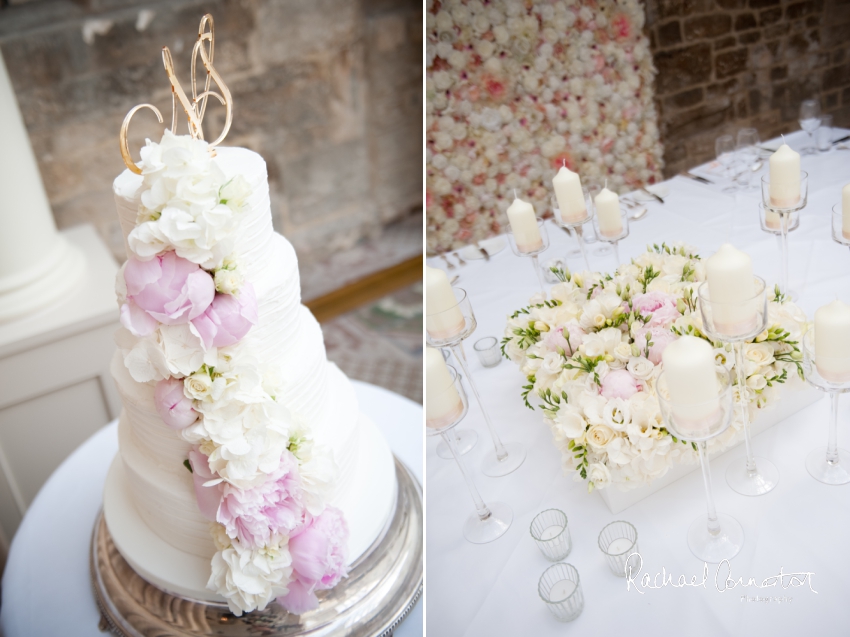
[(521, 251), (715, 536), (489, 522), (737, 323), (574, 226), (830, 466), (613, 233), (779, 218), (506, 458)]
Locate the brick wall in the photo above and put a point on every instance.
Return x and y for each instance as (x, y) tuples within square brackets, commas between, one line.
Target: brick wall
[(727, 64), (328, 91)]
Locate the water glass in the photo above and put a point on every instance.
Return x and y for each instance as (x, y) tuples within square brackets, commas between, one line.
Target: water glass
[(824, 133), (488, 352), (560, 590), (618, 541), (724, 147), (810, 121), (551, 533)]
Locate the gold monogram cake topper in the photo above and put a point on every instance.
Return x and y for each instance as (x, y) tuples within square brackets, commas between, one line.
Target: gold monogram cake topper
[(195, 108)]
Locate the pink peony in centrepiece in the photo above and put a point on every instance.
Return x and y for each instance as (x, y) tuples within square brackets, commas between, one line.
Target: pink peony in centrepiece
[(172, 404), (167, 289), (228, 318), (319, 556), (618, 383)]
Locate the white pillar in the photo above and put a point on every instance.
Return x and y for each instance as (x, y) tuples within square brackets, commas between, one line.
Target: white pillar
[(38, 266)]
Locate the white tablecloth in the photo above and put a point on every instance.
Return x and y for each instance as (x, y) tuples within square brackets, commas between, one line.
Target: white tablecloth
[(491, 590), (46, 586)]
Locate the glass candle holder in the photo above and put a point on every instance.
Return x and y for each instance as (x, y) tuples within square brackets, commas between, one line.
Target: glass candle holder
[(521, 252), (737, 323), (487, 349), (560, 590), (713, 537), (830, 465), (612, 238), (780, 212), (838, 234), (551, 533), (506, 458), (489, 522), (618, 541), (575, 226)]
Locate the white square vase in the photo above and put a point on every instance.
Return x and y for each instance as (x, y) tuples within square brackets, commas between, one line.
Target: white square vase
[(794, 397)]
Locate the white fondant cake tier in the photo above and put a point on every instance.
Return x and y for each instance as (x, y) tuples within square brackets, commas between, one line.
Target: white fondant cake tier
[(367, 501), (149, 502)]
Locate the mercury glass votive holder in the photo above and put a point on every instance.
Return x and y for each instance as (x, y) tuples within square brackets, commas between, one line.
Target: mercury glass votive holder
[(487, 349), (560, 590), (551, 533), (618, 541)]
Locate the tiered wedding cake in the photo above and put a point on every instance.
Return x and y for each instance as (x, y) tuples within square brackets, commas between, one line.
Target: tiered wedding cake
[(245, 471)]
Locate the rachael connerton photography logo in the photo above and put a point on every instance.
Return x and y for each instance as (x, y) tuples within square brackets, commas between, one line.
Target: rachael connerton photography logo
[(723, 580)]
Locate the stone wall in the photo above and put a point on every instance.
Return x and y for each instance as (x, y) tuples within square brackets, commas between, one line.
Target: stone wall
[(728, 64), (328, 91)]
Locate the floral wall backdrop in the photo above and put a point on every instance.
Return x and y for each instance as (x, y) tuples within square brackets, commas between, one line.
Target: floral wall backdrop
[(516, 88)]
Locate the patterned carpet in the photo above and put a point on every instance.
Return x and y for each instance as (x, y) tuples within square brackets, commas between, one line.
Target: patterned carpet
[(381, 343)]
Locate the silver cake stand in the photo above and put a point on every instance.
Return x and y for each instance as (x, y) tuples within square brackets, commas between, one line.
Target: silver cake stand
[(382, 587)]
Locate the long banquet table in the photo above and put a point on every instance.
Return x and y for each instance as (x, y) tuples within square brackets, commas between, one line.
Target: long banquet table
[(802, 526)]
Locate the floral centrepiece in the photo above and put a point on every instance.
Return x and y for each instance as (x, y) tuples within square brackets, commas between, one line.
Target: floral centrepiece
[(187, 305), (515, 90), (592, 355)]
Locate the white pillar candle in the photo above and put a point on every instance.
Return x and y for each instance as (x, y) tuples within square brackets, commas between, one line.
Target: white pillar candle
[(845, 211), (689, 368), (608, 213), (442, 402), (443, 316), (524, 226), (731, 287), (832, 341), (784, 177), (570, 197), (619, 546)]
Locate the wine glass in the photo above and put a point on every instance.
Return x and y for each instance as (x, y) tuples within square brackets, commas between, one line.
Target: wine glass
[(746, 147), (809, 122), (724, 147)]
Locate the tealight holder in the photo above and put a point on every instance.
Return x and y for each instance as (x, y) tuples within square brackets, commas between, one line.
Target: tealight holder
[(551, 533), (575, 227), (618, 542), (838, 226), (737, 323), (489, 522), (450, 328), (488, 352), (560, 590), (830, 466), (781, 214), (716, 536), (613, 238), (520, 251)]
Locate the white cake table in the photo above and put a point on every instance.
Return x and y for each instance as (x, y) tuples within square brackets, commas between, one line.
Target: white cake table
[(46, 586), (491, 590)]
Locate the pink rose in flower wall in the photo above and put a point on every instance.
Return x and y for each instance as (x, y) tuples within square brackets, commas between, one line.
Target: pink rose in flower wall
[(172, 405), (254, 515), (662, 307), (319, 556), (619, 383), (228, 318), (208, 498), (168, 288), (660, 338)]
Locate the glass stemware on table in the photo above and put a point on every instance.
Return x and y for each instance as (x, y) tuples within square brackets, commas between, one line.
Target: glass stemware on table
[(489, 522), (724, 150), (576, 227), (780, 218), (505, 458), (810, 122), (532, 254), (737, 323), (714, 536), (746, 149), (832, 465)]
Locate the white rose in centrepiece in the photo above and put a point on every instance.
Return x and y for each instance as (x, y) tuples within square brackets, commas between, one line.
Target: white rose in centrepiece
[(598, 436), (598, 474)]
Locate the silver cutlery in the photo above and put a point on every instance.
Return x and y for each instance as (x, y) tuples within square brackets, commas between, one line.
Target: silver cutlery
[(652, 194), (451, 265), (638, 214), (483, 251), (459, 259), (698, 178)]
